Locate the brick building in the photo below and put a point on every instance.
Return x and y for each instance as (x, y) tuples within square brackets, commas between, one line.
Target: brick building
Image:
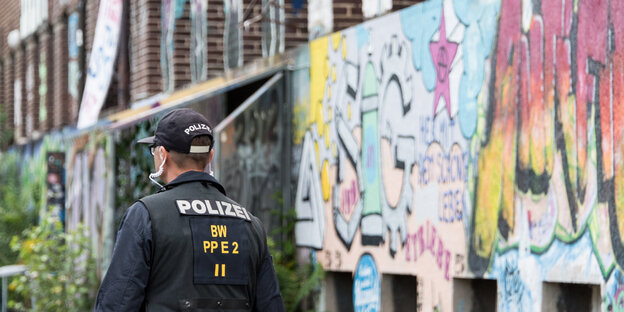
[(45, 47)]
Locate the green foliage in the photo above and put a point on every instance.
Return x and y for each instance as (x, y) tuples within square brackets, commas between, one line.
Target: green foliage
[(61, 269), (16, 204), (133, 164), (6, 135), (298, 282)]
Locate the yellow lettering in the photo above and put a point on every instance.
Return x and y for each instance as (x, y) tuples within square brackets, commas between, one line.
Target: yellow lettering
[(222, 271), (222, 231), (224, 247), (235, 251), (206, 245), (218, 230), (213, 246)]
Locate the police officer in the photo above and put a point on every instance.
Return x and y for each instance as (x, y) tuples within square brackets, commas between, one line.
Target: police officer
[(188, 247)]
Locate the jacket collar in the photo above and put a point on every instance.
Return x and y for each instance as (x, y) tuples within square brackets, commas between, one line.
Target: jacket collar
[(194, 176)]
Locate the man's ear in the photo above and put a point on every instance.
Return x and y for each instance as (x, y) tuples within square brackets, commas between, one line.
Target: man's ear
[(160, 150)]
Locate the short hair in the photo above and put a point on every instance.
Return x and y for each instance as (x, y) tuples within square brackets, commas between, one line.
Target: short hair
[(193, 160)]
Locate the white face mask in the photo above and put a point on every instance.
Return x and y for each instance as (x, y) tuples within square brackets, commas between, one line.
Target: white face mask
[(210, 172), (157, 174)]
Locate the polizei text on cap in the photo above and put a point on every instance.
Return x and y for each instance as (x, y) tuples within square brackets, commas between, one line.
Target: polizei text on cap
[(195, 127)]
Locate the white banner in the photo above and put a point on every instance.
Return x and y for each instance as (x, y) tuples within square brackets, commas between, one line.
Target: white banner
[(101, 62)]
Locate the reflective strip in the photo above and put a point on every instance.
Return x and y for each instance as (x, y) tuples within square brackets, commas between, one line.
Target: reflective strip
[(200, 149)]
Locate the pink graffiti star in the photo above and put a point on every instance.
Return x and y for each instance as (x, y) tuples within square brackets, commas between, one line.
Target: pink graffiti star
[(443, 52)]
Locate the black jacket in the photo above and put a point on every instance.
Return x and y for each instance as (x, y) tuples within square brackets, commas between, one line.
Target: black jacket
[(127, 281)]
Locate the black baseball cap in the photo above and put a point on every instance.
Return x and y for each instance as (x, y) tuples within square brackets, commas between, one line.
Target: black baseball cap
[(176, 130)]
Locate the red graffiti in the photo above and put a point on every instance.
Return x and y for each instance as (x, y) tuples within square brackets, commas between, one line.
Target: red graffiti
[(427, 238), (348, 198), (113, 10), (558, 89)]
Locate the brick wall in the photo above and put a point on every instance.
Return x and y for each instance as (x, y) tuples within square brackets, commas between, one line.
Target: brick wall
[(144, 49), (9, 20), (144, 29), (8, 72), (401, 4), (347, 13), (296, 25), (252, 37), (91, 11), (19, 87), (182, 49), (45, 88), (31, 84), (4, 124), (62, 112), (214, 42)]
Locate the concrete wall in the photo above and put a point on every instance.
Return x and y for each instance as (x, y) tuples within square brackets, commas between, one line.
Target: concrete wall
[(463, 139)]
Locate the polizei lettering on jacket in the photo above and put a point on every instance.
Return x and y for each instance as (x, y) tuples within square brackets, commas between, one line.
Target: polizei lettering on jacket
[(197, 207), (195, 127)]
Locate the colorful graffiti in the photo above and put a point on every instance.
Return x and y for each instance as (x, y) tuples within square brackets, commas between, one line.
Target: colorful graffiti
[(74, 74), (199, 32), (55, 183), (68, 177), (233, 34), (273, 29), (167, 22), (250, 156), (320, 18), (43, 89), (478, 138), (555, 96), (89, 200)]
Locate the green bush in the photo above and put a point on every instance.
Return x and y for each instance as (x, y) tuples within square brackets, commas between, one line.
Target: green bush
[(61, 268), (17, 204), (299, 282), (6, 134)]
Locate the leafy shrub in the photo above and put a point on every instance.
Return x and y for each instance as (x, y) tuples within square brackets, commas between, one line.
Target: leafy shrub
[(61, 272), (17, 204), (299, 282), (6, 134)]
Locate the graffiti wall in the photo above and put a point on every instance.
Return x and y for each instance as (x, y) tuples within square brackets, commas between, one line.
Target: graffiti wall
[(89, 199), (65, 176), (249, 156), (473, 139)]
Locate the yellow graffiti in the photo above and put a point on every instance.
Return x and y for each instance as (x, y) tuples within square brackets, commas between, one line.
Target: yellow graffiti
[(619, 200), (318, 76), (327, 138), (336, 38), (325, 180), (349, 110), (488, 196), (299, 120), (495, 189), (317, 153)]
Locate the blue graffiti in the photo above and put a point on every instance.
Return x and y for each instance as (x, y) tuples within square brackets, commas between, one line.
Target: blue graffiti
[(479, 35), (362, 36), (179, 9), (419, 23)]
